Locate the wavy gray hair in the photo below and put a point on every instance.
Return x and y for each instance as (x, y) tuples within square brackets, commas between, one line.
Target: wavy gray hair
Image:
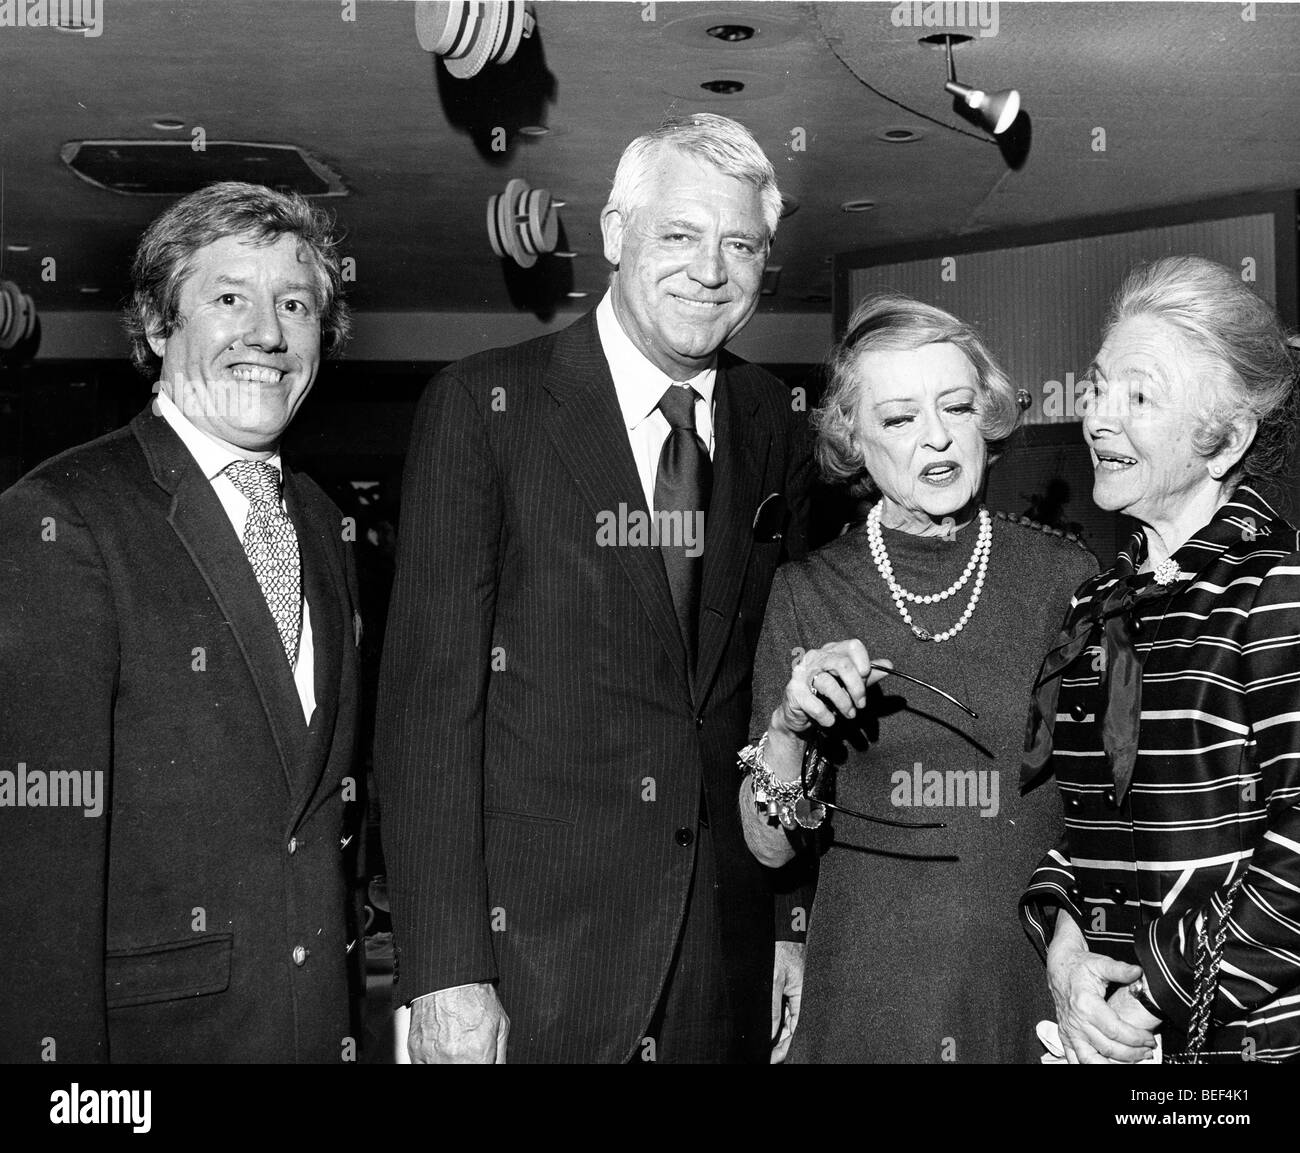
[(895, 322), (164, 257)]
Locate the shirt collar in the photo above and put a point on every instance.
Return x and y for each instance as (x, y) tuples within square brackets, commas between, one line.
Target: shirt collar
[(211, 457), (1246, 517), (639, 384)]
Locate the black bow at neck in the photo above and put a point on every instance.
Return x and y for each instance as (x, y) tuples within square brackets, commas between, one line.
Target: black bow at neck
[(1108, 624)]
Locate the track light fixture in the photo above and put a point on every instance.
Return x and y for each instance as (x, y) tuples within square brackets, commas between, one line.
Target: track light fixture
[(995, 112)]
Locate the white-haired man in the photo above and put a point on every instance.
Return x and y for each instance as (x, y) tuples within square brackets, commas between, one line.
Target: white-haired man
[(590, 525)]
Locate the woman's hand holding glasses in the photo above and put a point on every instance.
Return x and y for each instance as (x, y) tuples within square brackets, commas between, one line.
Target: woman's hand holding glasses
[(826, 681), (826, 684)]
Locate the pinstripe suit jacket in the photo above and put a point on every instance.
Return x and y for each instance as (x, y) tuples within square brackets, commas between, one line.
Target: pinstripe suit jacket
[(1216, 787), (540, 746)]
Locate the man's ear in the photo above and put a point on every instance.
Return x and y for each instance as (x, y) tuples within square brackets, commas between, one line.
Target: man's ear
[(153, 334), (1238, 437), (612, 224)]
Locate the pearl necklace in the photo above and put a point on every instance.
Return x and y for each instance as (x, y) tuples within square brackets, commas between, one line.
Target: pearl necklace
[(978, 564)]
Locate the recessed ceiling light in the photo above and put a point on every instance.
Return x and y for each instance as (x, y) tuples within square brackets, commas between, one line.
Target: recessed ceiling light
[(556, 202), (899, 135), (88, 290), (730, 33), (565, 255), (737, 30), (724, 82), (534, 130), (18, 247), (857, 206), (169, 124), (577, 295)]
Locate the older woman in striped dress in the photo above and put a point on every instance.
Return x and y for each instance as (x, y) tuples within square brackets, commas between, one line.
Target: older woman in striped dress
[(1170, 710)]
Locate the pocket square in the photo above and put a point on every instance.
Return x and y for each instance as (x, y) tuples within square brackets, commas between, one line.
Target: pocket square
[(769, 520)]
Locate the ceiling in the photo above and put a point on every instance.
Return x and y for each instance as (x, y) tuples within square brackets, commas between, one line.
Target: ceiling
[(1195, 102)]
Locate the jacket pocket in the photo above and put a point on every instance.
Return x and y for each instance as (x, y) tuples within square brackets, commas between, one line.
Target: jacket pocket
[(169, 971)]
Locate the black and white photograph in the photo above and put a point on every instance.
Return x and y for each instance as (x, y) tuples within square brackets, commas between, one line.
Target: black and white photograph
[(648, 532)]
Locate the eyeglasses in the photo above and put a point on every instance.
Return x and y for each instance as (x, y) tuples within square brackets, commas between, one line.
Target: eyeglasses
[(810, 810)]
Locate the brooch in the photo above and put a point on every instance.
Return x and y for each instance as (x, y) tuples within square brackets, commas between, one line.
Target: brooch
[(1166, 572)]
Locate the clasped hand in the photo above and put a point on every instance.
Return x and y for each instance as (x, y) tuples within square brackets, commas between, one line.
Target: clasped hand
[(1095, 1030)]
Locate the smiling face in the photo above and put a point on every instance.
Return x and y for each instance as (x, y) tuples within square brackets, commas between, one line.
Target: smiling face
[(918, 431), (1145, 401), (245, 351), (690, 262)]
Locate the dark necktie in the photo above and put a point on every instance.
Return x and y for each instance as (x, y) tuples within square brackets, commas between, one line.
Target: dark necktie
[(682, 485), (272, 547)]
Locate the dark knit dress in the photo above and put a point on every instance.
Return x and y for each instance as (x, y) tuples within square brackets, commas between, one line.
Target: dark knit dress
[(915, 951)]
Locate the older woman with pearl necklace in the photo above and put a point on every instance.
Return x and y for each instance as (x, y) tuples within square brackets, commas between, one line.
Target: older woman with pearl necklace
[(913, 953)]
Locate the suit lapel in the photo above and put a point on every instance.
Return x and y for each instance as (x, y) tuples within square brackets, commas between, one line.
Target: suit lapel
[(590, 437), (324, 585), (201, 523), (740, 455)]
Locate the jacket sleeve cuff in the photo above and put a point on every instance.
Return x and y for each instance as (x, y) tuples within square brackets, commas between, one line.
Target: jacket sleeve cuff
[(1171, 983), (1050, 889)]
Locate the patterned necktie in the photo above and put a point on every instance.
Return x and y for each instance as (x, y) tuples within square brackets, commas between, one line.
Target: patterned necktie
[(272, 547), (683, 484)]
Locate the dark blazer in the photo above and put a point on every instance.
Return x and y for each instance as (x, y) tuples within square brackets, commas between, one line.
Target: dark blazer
[(134, 641), (540, 746)]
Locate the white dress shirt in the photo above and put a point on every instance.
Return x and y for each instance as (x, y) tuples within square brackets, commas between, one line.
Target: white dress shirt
[(212, 458), (640, 385)]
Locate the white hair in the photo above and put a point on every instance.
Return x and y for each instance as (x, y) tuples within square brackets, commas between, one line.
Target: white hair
[(1239, 338), (719, 141)]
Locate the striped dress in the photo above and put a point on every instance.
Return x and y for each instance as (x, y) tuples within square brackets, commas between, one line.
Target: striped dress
[(1215, 790)]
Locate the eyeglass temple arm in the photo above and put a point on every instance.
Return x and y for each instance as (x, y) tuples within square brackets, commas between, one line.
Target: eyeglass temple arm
[(884, 820), (926, 685)]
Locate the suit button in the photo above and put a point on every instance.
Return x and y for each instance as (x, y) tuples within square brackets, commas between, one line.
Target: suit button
[(1117, 892), (299, 955), (1109, 797), (1073, 802), (699, 722), (292, 846), (1078, 710), (684, 836)]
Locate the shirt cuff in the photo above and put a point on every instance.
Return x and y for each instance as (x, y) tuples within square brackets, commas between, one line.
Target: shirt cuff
[(449, 989)]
